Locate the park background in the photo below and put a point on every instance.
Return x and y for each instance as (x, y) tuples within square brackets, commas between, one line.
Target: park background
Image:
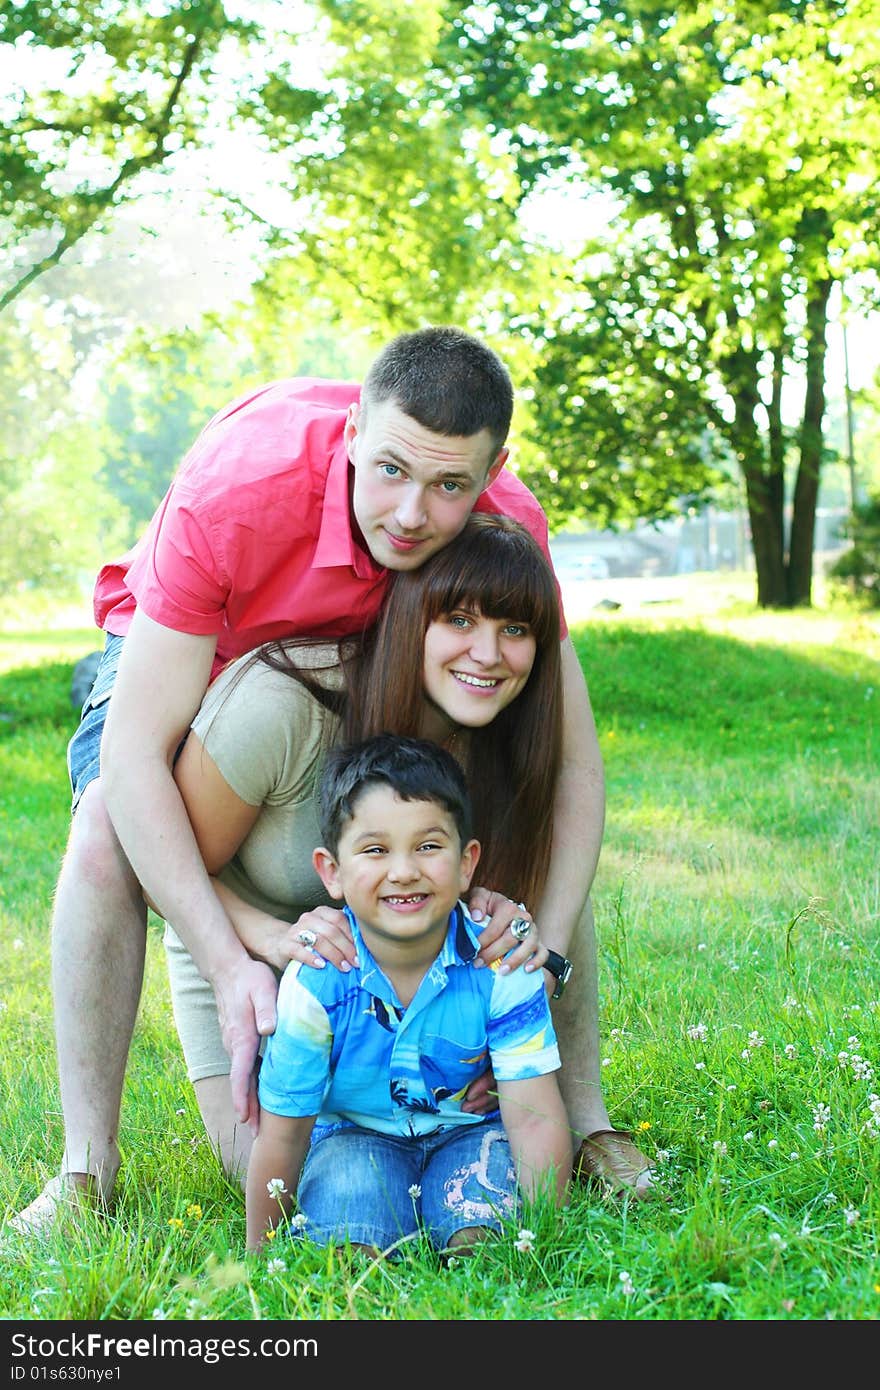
[(665, 219)]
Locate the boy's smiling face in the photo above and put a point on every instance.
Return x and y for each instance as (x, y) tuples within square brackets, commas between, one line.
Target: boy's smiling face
[(400, 867)]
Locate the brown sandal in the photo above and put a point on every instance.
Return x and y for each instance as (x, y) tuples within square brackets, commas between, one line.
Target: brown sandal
[(610, 1156)]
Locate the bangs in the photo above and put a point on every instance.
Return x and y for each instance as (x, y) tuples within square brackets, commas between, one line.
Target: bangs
[(498, 573)]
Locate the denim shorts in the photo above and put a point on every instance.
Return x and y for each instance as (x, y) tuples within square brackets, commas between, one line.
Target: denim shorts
[(374, 1189), (84, 749)]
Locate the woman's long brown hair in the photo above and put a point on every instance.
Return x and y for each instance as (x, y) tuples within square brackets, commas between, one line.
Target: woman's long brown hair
[(493, 567)]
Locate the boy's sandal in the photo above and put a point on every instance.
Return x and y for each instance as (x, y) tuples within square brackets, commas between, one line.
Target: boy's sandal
[(610, 1157)]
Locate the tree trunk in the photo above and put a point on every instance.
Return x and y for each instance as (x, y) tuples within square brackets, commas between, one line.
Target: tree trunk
[(806, 491), (764, 480), (766, 523)]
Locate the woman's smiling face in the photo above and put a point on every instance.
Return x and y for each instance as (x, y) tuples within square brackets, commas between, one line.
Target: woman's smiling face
[(475, 666)]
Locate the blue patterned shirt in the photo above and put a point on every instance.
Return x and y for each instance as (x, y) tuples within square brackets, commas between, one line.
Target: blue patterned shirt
[(346, 1050)]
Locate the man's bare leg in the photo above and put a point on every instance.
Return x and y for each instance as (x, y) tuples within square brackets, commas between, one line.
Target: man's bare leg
[(98, 948), (606, 1153)]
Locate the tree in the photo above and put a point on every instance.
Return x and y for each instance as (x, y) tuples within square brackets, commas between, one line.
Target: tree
[(55, 516), (120, 91), (741, 143)]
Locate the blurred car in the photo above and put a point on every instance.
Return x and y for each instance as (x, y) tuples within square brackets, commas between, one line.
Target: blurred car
[(572, 568)]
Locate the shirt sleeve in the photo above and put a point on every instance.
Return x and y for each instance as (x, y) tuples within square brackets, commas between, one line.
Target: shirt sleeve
[(522, 1039), (265, 732), (295, 1071), (178, 577)]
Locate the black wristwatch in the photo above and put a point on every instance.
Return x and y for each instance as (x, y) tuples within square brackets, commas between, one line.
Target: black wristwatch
[(560, 967)]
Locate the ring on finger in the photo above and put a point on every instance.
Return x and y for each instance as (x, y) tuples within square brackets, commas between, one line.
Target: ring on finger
[(520, 928), (307, 937)]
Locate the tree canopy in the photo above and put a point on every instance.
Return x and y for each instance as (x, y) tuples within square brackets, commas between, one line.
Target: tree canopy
[(678, 347)]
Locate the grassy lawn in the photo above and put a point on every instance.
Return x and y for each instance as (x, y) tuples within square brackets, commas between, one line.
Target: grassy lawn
[(738, 914)]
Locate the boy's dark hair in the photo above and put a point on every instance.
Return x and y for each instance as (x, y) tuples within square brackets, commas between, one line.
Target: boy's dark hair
[(447, 380), (415, 768)]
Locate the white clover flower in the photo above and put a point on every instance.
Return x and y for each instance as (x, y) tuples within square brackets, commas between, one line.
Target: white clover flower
[(627, 1287), (853, 1042), (790, 1051), (861, 1068), (755, 1040), (720, 1147), (159, 1315), (701, 946), (698, 1032), (776, 1239), (746, 1055), (830, 1199), (821, 1116), (700, 1066), (275, 1187), (851, 1215), (749, 1134), (525, 1242), (300, 1221), (772, 1143), (276, 1267), (414, 1191), (17, 944), (789, 1002), (794, 1157), (662, 1155)]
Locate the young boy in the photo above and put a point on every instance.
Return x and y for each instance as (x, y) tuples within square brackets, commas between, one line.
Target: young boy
[(363, 1078)]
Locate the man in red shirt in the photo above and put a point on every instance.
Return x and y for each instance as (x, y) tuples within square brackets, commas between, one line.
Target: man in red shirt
[(284, 518)]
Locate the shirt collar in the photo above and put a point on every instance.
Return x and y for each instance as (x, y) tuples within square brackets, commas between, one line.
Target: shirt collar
[(459, 948), (336, 543)]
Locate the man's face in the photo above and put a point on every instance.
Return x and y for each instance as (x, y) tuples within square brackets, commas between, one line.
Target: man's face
[(413, 490)]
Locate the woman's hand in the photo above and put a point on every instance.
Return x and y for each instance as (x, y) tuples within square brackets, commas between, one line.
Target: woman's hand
[(319, 936), (494, 914)]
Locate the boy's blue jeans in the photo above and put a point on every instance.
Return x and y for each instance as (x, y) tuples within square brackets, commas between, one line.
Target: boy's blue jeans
[(374, 1189)]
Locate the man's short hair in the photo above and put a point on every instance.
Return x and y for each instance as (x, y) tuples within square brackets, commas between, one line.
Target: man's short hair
[(414, 768), (447, 380)]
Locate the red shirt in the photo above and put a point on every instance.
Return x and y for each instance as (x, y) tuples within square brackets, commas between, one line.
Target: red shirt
[(253, 539)]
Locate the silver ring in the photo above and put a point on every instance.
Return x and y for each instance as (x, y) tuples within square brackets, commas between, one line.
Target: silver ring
[(307, 937), (520, 928)]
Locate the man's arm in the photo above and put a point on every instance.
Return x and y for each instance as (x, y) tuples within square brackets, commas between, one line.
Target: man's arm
[(279, 1151), (578, 813), (161, 680), (578, 825), (540, 1140)]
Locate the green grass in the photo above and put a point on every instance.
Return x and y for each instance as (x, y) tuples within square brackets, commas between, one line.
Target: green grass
[(737, 902)]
